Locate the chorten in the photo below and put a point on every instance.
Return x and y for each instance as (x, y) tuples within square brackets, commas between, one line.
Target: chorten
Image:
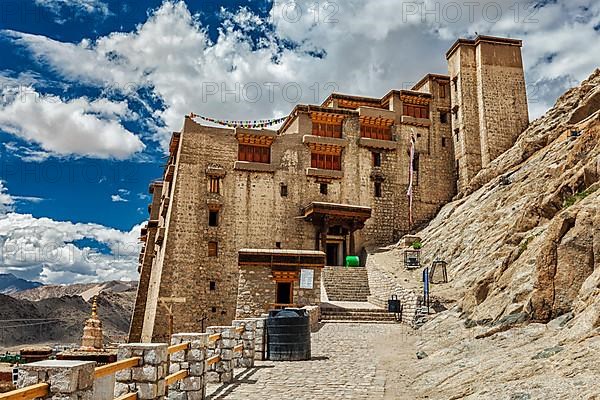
[(93, 338)]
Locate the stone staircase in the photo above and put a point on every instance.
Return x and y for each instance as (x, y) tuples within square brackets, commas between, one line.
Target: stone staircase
[(357, 313), (346, 284)]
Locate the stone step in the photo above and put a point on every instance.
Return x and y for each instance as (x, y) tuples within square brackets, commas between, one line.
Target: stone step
[(346, 284)]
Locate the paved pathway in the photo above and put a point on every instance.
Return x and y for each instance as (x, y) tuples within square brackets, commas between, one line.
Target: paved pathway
[(344, 365)]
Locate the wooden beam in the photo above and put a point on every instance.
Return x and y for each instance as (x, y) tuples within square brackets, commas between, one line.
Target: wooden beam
[(238, 348), (110, 369), (214, 337), (177, 376), (240, 329), (213, 360), (178, 347), (27, 393)]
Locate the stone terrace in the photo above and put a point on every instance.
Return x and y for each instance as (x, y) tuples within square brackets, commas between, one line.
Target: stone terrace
[(344, 365)]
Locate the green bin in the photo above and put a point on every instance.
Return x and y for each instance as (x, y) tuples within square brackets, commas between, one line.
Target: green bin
[(352, 261)]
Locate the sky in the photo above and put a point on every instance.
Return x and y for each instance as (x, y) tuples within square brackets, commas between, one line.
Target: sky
[(92, 90)]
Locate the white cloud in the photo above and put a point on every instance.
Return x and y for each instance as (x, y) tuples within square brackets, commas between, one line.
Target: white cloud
[(118, 199), (78, 127), (361, 53), (6, 200), (77, 6), (43, 249)]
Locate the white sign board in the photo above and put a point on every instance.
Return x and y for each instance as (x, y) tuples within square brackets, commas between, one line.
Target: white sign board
[(307, 277)]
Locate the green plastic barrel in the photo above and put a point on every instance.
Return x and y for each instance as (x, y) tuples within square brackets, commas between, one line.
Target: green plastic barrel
[(352, 261)]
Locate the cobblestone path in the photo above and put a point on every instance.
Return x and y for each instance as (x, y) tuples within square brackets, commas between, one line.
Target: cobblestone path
[(344, 365)]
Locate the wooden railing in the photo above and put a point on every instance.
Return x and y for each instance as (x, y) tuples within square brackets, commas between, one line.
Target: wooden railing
[(43, 389), (110, 369), (27, 393)]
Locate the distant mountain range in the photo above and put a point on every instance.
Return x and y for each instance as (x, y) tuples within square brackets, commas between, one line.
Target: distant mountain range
[(10, 284)]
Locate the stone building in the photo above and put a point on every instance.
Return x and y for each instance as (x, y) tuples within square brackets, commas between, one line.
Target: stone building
[(331, 182)]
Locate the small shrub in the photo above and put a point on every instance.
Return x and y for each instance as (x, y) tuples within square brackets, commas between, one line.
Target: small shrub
[(569, 201), (417, 245)]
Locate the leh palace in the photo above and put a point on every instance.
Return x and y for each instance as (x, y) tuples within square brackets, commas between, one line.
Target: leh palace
[(241, 214)]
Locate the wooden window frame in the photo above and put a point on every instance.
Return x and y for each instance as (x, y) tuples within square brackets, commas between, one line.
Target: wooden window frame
[(217, 218), (214, 184), (443, 90), (415, 111), (253, 153), (326, 161), (213, 248), (376, 159), (324, 129)]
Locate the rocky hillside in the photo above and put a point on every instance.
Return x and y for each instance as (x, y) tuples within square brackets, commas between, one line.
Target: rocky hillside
[(523, 252), (85, 290), (60, 319), (11, 284)]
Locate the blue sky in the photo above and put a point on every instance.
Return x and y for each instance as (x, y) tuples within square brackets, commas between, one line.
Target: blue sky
[(92, 89)]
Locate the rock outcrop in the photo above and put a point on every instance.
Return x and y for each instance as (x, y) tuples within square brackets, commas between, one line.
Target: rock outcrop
[(523, 250)]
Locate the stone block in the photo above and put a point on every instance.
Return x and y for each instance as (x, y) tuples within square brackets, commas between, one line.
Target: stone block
[(195, 395), (156, 356), (123, 375), (226, 355), (121, 389), (196, 369), (196, 355), (161, 387), (212, 377), (174, 367), (177, 395), (147, 391), (146, 373), (177, 357), (192, 383), (228, 343), (227, 376)]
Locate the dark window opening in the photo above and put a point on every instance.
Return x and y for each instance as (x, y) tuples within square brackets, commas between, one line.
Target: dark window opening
[(376, 159), (377, 189), (283, 190), (213, 249), (214, 184), (443, 90), (333, 250), (444, 117), (415, 166), (213, 218), (323, 188), (213, 309), (443, 142), (456, 132), (284, 293), (278, 245), (455, 82), (223, 312), (212, 285)]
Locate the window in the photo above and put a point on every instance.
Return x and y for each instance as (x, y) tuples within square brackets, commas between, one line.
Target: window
[(278, 245), (443, 142), (213, 249), (376, 159), (455, 82), (444, 117), (283, 190), (415, 166), (415, 111), (376, 132), (327, 130), (213, 309), (259, 154), (214, 184), (212, 285), (456, 132), (323, 188), (443, 90), (377, 189), (326, 161), (213, 218)]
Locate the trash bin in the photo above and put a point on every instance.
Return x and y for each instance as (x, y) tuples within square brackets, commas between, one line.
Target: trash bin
[(394, 305), (352, 261), (288, 335)]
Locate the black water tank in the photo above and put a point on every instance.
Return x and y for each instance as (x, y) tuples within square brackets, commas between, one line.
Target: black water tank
[(288, 335)]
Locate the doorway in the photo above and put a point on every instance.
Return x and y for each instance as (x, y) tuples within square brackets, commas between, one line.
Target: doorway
[(284, 293), (333, 251)]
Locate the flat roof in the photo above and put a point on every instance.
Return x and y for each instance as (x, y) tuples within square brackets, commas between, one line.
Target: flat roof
[(429, 77), (483, 38), (286, 252)]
